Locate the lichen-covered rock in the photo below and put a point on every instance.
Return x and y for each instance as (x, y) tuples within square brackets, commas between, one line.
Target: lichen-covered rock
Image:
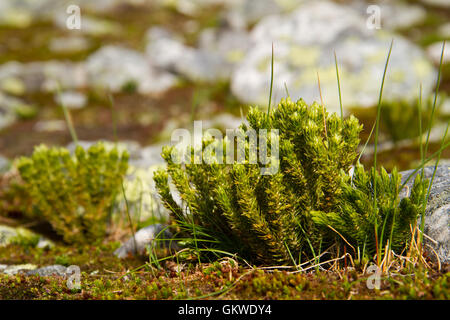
[(145, 238), (437, 214), (54, 270), (114, 67), (71, 99), (4, 164), (168, 52), (19, 268), (304, 45), (21, 235), (9, 234)]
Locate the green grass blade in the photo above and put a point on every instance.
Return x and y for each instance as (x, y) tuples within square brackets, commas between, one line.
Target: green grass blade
[(438, 82), (339, 86), (377, 127), (271, 84), (68, 118)]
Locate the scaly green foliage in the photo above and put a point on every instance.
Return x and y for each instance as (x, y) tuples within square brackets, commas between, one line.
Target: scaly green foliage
[(265, 218), (355, 217), (74, 193)]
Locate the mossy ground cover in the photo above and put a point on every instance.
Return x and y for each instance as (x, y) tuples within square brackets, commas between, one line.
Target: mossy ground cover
[(106, 277)]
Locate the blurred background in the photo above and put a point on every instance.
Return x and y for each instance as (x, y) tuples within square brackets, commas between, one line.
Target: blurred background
[(135, 70)]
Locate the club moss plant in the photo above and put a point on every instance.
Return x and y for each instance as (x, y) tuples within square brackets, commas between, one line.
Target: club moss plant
[(74, 193)]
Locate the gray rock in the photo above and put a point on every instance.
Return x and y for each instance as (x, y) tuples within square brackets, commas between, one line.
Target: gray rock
[(19, 234), (55, 270), (20, 268), (437, 214), (8, 106), (145, 238), (4, 164), (304, 42), (71, 99), (45, 243), (114, 67), (168, 52), (46, 75), (7, 234)]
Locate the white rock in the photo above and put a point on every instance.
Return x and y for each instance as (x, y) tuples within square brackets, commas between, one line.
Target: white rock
[(20, 268), (113, 67), (145, 238), (4, 164), (71, 99), (8, 106), (168, 52)]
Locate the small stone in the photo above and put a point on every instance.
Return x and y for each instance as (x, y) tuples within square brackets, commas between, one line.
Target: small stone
[(115, 68), (54, 270), (145, 238), (5, 164), (7, 234), (167, 51), (45, 243), (16, 235), (20, 268), (71, 99), (13, 86), (437, 213)]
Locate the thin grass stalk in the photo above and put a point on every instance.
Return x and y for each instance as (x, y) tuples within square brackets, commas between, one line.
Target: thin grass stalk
[(68, 118), (129, 218), (339, 86), (271, 84), (377, 127), (438, 82)]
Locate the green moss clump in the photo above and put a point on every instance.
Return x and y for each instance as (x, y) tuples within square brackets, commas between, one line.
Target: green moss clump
[(73, 193), (369, 224), (265, 218)]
